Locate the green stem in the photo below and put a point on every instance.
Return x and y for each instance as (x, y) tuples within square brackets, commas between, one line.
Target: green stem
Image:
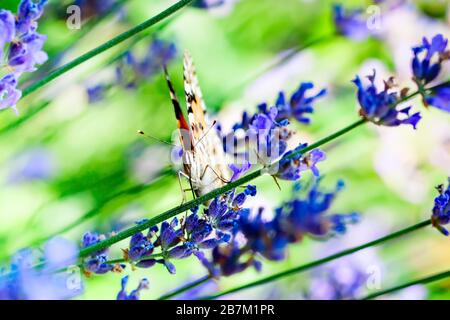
[(107, 45), (115, 261), (21, 120), (429, 279), (209, 196), (319, 262), (135, 190), (185, 288), (85, 28)]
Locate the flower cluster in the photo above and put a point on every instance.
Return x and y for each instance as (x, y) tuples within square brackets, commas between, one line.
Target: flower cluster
[(380, 107), (97, 262), (263, 137), (181, 239), (441, 209), (23, 281), (258, 237), (20, 48), (133, 70), (427, 65)]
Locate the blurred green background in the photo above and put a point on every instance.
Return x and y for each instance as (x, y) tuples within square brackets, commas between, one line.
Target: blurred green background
[(100, 174)]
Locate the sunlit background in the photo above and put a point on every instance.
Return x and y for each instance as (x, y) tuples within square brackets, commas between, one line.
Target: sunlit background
[(70, 165)]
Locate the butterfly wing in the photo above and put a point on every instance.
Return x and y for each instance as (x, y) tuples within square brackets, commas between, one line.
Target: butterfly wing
[(185, 132), (196, 107)]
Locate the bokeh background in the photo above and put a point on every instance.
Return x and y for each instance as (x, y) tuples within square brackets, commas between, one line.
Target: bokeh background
[(69, 166)]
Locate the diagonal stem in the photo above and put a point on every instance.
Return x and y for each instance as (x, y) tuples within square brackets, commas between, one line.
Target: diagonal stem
[(209, 196), (429, 279), (107, 45), (322, 261), (85, 28)]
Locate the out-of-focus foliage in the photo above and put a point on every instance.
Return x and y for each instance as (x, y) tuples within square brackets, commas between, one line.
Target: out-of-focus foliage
[(93, 155)]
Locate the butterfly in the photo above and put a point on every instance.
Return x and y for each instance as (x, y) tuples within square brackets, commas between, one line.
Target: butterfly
[(203, 156)]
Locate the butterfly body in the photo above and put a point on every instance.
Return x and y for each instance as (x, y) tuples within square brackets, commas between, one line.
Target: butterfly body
[(204, 161)]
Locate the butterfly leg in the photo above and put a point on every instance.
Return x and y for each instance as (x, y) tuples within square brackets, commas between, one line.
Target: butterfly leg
[(217, 175), (181, 175)]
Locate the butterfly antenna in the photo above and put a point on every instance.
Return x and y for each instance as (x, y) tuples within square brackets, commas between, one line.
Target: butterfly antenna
[(206, 132), (142, 133)]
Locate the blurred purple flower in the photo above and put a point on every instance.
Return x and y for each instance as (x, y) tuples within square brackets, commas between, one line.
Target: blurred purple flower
[(34, 164), (270, 238), (23, 281), (135, 294), (96, 93), (132, 70), (341, 280), (440, 98), (300, 217), (351, 24), (9, 94)]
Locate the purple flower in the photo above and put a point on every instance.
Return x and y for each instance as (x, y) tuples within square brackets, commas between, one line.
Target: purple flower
[(290, 167), (428, 57), (267, 138), (140, 247), (132, 70), (299, 217), (28, 13), (25, 55), (135, 294), (263, 237), (299, 105), (18, 34), (239, 171), (266, 132), (441, 209), (224, 211), (96, 93), (22, 281), (97, 262), (379, 107), (228, 260), (9, 94), (351, 23), (440, 98), (7, 27)]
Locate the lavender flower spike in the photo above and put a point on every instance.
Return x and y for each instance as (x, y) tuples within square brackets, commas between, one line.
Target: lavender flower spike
[(441, 209), (379, 107)]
